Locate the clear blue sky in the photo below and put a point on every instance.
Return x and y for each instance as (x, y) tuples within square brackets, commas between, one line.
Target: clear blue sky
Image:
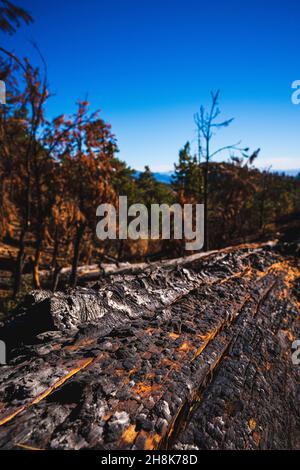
[(150, 64)]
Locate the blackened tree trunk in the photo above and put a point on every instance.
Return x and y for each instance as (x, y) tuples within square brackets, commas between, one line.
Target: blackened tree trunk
[(55, 279), (55, 250), (205, 197), (19, 265), (36, 264), (78, 238)]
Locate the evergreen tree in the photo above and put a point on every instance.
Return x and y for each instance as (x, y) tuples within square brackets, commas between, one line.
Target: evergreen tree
[(187, 178)]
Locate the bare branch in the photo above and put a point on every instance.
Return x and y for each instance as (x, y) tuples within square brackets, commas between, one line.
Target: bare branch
[(227, 147)]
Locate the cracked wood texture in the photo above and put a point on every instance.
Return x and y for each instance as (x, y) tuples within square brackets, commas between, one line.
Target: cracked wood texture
[(194, 354)]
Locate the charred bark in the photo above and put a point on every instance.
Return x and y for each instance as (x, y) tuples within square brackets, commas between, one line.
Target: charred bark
[(78, 238), (193, 355)]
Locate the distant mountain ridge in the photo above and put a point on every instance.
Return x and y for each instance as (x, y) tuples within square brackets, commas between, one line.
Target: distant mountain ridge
[(289, 172), (162, 177), (166, 176)]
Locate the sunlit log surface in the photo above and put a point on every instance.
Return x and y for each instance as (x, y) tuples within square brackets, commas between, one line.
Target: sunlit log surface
[(194, 354)]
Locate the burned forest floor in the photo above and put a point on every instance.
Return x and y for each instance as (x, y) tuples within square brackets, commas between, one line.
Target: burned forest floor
[(194, 353), (101, 261)]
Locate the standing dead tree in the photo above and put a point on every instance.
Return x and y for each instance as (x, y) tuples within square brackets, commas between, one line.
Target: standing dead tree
[(207, 124), (89, 169), (34, 159), (32, 101)]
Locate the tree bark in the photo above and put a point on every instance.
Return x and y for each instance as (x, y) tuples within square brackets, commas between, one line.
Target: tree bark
[(56, 273), (78, 238), (55, 250), (19, 265), (36, 263), (190, 356), (206, 241)]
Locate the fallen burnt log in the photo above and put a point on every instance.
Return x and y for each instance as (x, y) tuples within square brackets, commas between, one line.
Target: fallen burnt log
[(195, 354), (93, 272)]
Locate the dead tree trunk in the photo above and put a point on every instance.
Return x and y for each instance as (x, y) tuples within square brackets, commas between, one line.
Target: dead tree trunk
[(19, 264), (78, 238)]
